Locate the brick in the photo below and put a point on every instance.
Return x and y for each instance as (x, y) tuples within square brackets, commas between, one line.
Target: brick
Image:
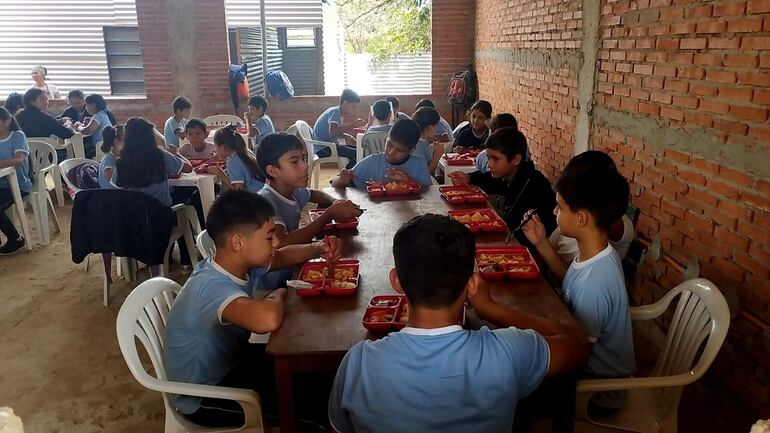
[(731, 127), (720, 217), (724, 43), (714, 106), (730, 8), (691, 73), (667, 43), (675, 85), (671, 113), (673, 209), (663, 98), (741, 60), (677, 156), (680, 57), (731, 239), (754, 78), (703, 89), (759, 133), (671, 14), (749, 113), (652, 82), (722, 188), (649, 109), (752, 265), (747, 25), (758, 6), (693, 44), (756, 43), (708, 59), (685, 101), (720, 76), (759, 235), (757, 201), (743, 94), (698, 12), (698, 118), (643, 69), (710, 27), (664, 71), (679, 28)]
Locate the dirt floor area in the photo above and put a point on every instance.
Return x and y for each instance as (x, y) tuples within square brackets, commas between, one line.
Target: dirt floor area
[(62, 372)]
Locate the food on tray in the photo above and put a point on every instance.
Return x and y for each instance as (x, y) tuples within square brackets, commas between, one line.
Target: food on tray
[(404, 314), (476, 217), (384, 302), (500, 259), (337, 284), (321, 274), (380, 316), (396, 185), (519, 269)]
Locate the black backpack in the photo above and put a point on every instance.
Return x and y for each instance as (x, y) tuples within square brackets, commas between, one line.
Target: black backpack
[(462, 91)]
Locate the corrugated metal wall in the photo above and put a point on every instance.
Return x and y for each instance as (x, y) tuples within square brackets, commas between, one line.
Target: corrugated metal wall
[(402, 75), (301, 66), (279, 13), (251, 50)]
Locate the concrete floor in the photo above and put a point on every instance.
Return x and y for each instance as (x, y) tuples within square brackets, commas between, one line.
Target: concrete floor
[(61, 369)]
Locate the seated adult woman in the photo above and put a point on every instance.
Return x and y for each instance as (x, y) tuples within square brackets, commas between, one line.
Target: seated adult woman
[(35, 122), (39, 74), (100, 118)]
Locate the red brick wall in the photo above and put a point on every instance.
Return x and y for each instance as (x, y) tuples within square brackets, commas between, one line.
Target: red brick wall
[(452, 41), (211, 46), (156, 58)]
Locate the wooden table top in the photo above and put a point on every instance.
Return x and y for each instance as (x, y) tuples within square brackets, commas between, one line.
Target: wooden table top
[(332, 325)]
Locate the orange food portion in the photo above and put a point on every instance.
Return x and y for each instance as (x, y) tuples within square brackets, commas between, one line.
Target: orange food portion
[(500, 259)]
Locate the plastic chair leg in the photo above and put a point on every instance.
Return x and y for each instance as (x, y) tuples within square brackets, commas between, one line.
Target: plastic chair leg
[(192, 216), (41, 219), (57, 182), (52, 210)]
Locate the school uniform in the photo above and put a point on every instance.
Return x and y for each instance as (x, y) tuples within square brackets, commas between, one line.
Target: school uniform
[(332, 116), (170, 128), (374, 167), (468, 139), (239, 173), (188, 151), (424, 149), (379, 128), (16, 142), (108, 161), (442, 380), (74, 115), (444, 128), (482, 162), (401, 116), (265, 126), (160, 191), (102, 120), (567, 247)]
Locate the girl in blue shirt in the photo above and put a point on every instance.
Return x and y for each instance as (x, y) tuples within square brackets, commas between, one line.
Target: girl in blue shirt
[(111, 146), (100, 119), (14, 152), (242, 169)]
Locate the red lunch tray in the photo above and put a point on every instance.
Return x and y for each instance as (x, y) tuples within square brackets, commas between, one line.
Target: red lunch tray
[(197, 162), (315, 273), (203, 168), (471, 153), (390, 312), (458, 159), (463, 194), (517, 263), (487, 220), (334, 225), (376, 189)]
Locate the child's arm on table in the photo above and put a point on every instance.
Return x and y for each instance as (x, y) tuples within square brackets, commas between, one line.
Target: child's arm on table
[(534, 230), (339, 210), (329, 248), (258, 316), (344, 179), (226, 182)]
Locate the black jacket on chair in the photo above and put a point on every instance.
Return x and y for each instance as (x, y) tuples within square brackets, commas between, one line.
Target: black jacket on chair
[(125, 223)]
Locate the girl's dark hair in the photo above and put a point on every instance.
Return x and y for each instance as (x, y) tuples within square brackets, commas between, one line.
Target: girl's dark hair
[(141, 163), (14, 102), (425, 117), (503, 120), (30, 95), (5, 115), (483, 106), (109, 135), (97, 100), (231, 139)]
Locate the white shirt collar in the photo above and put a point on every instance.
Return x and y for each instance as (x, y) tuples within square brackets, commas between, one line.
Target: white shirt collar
[(432, 331), (603, 253), (289, 201), (223, 271)]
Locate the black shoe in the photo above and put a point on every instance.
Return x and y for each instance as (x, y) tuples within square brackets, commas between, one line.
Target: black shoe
[(12, 247)]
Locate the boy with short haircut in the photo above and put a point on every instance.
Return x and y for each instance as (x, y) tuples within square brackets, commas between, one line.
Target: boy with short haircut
[(197, 147), (396, 104), (395, 164), (381, 113), (339, 122), (473, 135), (282, 158), (174, 128), (501, 120), (444, 130), (208, 327), (76, 112), (258, 123), (436, 376), (427, 119), (517, 180), (590, 200)]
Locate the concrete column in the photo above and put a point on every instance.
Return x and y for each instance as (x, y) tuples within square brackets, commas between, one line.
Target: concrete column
[(589, 51), (183, 54)]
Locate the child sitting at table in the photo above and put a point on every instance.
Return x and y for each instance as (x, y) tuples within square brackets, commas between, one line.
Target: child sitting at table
[(514, 178), (590, 200), (14, 152), (76, 112), (112, 146), (197, 147), (473, 135), (396, 164), (395, 105), (339, 122), (433, 376), (283, 159), (501, 120), (444, 130), (174, 128), (209, 324), (382, 114), (428, 119), (258, 123), (242, 169)]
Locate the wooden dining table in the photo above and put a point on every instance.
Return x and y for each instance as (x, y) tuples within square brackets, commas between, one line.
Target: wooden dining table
[(317, 332)]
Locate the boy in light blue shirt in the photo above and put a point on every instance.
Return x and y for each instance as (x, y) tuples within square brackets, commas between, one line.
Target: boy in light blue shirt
[(208, 327), (381, 113), (427, 119), (395, 164), (258, 123), (395, 105), (433, 376), (174, 128), (444, 130), (589, 200), (14, 152), (339, 122)]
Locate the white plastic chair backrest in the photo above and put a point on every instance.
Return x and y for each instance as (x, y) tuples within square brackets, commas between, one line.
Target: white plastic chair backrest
[(220, 120), (304, 130), (143, 315), (459, 127), (374, 142), (43, 157), (99, 152), (295, 130), (205, 244), (68, 164), (53, 141)]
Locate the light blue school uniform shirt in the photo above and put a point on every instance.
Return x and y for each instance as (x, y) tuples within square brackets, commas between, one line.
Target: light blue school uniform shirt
[(104, 121), (482, 162), (160, 191), (287, 210), (595, 293), (379, 128), (239, 173), (374, 167), (169, 129), (443, 380), (444, 128), (322, 124), (16, 142), (108, 161), (424, 149), (265, 126), (201, 347), (401, 115)]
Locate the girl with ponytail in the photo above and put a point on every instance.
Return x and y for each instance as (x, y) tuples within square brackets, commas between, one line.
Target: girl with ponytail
[(112, 146), (242, 169)]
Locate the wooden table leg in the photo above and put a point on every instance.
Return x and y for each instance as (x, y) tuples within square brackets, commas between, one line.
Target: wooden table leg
[(285, 392)]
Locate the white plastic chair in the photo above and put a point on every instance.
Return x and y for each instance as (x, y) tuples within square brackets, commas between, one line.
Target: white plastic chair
[(99, 154), (302, 130), (44, 161), (54, 142), (67, 165), (373, 142), (143, 316), (460, 126), (701, 315), (219, 120), (205, 244)]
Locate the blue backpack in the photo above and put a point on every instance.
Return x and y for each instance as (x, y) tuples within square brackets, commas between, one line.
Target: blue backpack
[(279, 85)]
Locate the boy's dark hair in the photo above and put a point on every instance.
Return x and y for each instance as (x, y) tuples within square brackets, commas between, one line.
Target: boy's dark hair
[(599, 190), (590, 158), (503, 120), (394, 102), (258, 102), (434, 256), (30, 96), (273, 146), (196, 123), (235, 210), (14, 102), (98, 101), (76, 94), (181, 103), (381, 110), (508, 141), (483, 106), (349, 96), (425, 117), (424, 103), (406, 133)]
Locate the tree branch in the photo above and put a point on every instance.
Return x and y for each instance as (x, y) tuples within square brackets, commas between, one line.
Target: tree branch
[(374, 8)]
